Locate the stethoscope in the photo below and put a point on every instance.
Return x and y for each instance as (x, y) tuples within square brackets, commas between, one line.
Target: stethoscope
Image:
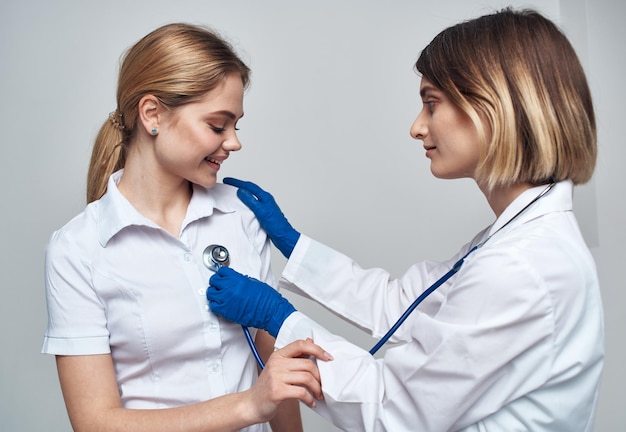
[(214, 257)]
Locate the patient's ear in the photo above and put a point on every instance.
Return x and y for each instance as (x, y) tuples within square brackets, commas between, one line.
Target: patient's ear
[(149, 110)]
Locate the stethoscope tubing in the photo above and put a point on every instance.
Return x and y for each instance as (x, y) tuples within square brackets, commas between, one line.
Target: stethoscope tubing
[(253, 348), (455, 268)]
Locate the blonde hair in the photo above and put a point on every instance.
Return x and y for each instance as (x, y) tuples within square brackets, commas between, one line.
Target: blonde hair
[(177, 63), (518, 78)]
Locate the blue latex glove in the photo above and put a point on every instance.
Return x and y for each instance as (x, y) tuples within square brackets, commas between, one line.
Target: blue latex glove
[(247, 301), (268, 213)]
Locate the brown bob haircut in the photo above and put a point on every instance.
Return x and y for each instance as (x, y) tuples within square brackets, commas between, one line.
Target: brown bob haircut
[(516, 75)]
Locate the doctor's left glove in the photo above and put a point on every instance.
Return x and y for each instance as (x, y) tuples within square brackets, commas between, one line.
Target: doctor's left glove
[(247, 301)]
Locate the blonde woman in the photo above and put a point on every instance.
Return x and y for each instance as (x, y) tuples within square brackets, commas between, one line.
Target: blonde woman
[(137, 346), (513, 339)]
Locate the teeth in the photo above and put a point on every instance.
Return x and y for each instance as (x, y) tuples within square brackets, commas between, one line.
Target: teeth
[(214, 161)]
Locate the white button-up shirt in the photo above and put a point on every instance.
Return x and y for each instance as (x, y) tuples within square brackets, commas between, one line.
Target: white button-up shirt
[(513, 342), (118, 283)]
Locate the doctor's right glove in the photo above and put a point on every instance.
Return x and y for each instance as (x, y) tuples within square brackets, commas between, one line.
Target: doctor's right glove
[(247, 301), (271, 218)]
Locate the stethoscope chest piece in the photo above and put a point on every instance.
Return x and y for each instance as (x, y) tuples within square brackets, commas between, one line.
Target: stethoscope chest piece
[(215, 256)]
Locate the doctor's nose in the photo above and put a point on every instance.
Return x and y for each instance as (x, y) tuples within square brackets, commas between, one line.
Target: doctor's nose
[(419, 129)]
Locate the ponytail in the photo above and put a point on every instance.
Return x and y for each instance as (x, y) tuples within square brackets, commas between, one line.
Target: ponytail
[(108, 155)]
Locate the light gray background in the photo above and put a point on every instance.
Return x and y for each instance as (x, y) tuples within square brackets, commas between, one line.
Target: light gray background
[(326, 131)]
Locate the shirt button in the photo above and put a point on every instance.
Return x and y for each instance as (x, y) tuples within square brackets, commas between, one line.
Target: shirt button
[(201, 292), (214, 367), (187, 257), (213, 326), (206, 307)]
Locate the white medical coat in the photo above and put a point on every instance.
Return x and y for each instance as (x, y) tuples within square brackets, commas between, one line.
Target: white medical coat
[(513, 342)]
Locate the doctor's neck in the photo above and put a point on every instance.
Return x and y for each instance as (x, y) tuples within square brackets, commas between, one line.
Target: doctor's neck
[(499, 197)]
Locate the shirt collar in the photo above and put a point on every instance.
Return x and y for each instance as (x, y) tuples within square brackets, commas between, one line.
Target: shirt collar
[(115, 212), (557, 199)]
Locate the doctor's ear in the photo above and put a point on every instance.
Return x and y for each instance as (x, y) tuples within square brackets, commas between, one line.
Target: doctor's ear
[(149, 112)]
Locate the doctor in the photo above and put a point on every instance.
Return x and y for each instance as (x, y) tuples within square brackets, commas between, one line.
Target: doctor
[(514, 340)]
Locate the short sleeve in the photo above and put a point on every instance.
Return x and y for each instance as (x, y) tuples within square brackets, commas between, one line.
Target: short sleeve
[(76, 317)]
